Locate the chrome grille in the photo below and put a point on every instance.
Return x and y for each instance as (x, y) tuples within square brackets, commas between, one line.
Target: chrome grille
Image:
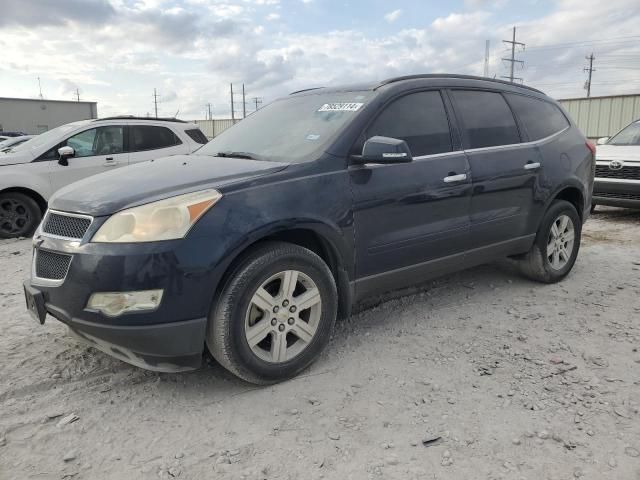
[(625, 173), (66, 225), (51, 265)]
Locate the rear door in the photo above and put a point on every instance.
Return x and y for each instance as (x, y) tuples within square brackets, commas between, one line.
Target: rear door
[(504, 170), (408, 214), (147, 142), (97, 150)]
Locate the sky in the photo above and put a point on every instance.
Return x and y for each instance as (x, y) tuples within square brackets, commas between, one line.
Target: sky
[(116, 52)]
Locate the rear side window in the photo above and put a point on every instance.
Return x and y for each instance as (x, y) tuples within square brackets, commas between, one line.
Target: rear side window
[(419, 119), (197, 136), (148, 137), (538, 117), (487, 118)]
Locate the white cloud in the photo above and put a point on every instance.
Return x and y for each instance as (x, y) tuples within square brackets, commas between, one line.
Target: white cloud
[(393, 16), (273, 16)]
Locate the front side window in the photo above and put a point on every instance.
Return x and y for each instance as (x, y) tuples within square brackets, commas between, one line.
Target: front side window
[(630, 135), (487, 118), (149, 137), (419, 119), (539, 118), (98, 141)]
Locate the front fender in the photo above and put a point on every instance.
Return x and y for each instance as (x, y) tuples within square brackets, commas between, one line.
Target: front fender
[(16, 176)]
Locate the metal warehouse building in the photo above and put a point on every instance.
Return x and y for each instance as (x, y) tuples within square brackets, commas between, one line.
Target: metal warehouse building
[(34, 116), (603, 116)]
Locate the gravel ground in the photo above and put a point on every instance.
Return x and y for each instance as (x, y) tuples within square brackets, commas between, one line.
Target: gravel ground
[(510, 379)]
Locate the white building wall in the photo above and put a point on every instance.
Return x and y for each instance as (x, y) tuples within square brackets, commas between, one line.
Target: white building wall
[(33, 116)]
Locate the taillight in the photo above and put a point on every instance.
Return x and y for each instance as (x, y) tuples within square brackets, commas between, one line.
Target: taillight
[(591, 146)]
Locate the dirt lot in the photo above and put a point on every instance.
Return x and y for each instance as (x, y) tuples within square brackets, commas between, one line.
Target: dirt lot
[(519, 381)]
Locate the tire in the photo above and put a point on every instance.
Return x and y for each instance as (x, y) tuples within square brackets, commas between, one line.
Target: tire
[(539, 266), (236, 310), (19, 215)]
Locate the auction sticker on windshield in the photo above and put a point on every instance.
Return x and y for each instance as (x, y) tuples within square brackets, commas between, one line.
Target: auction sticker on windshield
[(340, 107)]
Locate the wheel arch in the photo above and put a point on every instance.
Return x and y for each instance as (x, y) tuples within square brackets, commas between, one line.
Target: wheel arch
[(320, 239), (42, 203), (573, 194)]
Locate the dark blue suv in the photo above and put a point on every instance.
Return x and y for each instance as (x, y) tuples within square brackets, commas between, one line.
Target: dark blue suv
[(252, 246)]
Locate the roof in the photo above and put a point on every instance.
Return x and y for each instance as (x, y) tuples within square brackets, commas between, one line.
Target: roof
[(133, 117), (426, 76), (46, 100)]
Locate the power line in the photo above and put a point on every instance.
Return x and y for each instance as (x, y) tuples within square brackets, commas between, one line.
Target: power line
[(589, 69), (513, 60), (583, 42)]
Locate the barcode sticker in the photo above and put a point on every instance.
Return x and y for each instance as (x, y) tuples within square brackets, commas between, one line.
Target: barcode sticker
[(340, 107)]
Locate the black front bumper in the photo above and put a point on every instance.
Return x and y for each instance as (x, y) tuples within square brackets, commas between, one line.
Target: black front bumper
[(170, 338), (616, 194)]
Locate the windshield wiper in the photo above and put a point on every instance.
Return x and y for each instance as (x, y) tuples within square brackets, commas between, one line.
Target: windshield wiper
[(244, 155)]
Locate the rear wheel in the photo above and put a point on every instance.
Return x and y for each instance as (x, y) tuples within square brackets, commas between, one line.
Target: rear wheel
[(556, 246), (274, 315), (19, 215)]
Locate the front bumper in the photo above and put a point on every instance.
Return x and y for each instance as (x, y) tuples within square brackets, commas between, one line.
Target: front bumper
[(170, 338), (616, 193)]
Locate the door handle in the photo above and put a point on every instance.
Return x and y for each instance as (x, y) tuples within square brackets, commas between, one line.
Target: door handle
[(455, 178), (109, 162), (531, 165)]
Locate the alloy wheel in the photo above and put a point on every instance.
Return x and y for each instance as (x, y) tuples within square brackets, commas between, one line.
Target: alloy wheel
[(560, 242), (14, 216), (283, 316)]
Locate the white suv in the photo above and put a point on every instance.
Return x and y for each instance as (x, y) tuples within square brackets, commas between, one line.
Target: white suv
[(30, 173)]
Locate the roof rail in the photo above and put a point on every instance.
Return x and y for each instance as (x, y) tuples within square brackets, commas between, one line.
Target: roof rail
[(305, 90), (133, 117), (449, 75)]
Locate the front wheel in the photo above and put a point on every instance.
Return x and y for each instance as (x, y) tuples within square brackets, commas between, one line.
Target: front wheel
[(274, 315), (19, 215), (556, 246)]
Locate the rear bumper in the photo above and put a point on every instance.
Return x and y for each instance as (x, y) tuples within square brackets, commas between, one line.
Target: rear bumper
[(617, 193)]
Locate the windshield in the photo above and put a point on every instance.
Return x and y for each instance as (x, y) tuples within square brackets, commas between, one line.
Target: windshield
[(291, 129), (46, 137), (629, 135)]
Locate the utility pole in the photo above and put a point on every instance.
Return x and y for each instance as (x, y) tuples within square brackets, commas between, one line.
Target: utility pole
[(210, 117), (244, 103), (40, 88), (77, 94), (486, 57), (155, 101), (233, 114), (513, 60), (257, 102), (589, 69)]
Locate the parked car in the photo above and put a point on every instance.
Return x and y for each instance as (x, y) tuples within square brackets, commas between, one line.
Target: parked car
[(253, 245), (31, 172), (12, 142), (617, 180), (11, 134), (3, 138)]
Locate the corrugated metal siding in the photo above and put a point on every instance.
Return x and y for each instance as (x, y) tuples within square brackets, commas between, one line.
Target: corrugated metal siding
[(213, 128), (603, 116)]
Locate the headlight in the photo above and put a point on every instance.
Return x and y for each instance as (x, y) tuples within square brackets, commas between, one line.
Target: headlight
[(163, 220)]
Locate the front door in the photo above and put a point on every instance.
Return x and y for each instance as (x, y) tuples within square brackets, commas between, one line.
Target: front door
[(97, 150), (410, 216)]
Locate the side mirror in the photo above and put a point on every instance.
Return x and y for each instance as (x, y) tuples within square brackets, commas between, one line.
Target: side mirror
[(602, 140), (65, 154), (384, 150)]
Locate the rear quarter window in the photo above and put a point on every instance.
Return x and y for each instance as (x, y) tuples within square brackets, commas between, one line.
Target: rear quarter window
[(197, 136), (149, 137), (486, 117), (539, 118)]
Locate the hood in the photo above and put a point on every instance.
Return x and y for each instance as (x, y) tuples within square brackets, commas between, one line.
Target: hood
[(618, 152), (15, 158), (147, 182)]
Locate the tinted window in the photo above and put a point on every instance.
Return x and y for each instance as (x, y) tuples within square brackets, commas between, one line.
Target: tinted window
[(148, 137), (539, 118), (487, 118), (419, 119), (197, 135)]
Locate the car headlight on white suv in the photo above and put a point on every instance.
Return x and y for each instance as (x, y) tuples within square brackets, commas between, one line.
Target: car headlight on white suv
[(167, 219)]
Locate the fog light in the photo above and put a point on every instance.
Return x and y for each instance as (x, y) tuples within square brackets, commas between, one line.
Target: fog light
[(113, 304)]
